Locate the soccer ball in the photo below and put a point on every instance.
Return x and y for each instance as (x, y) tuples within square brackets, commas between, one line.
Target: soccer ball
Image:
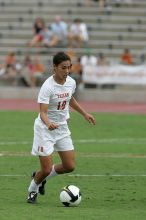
[(70, 196)]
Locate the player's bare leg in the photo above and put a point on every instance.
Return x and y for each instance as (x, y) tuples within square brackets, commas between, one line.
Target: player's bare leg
[(38, 181), (46, 167), (68, 162), (48, 171)]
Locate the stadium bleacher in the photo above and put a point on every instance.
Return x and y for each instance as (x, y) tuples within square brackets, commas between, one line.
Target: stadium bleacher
[(119, 27)]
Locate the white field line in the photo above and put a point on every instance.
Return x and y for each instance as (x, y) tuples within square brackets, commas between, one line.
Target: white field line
[(112, 140), (15, 142), (83, 175), (111, 155), (100, 141), (107, 175), (83, 141), (80, 154), (12, 175)]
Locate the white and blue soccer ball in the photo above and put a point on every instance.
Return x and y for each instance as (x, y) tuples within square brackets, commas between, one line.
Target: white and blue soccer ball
[(70, 196)]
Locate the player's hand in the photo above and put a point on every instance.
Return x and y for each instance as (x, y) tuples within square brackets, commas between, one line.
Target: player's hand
[(90, 119), (52, 126)]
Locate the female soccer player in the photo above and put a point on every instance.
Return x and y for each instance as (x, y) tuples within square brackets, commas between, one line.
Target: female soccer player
[(51, 131)]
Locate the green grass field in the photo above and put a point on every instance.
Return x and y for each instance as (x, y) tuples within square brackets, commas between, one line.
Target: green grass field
[(110, 171)]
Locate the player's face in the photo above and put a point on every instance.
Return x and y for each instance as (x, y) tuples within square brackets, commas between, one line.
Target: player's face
[(62, 70)]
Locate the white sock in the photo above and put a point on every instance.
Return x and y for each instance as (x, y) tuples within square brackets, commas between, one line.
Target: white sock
[(33, 187), (52, 174)]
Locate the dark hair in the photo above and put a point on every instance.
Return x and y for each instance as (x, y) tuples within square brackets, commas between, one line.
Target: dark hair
[(60, 57)]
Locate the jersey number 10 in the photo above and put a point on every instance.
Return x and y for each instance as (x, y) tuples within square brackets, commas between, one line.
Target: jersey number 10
[(61, 105)]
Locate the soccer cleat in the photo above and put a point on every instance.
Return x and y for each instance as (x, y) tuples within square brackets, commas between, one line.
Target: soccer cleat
[(32, 197), (42, 186)]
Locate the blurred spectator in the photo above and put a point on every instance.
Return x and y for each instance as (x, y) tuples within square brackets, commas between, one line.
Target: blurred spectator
[(126, 57), (101, 60), (88, 59), (45, 37), (71, 53), (10, 60), (27, 71), (76, 70), (33, 71), (10, 69), (60, 29), (38, 71), (48, 38), (2, 70), (38, 26), (143, 55), (78, 33), (76, 74), (103, 63), (101, 5), (118, 2)]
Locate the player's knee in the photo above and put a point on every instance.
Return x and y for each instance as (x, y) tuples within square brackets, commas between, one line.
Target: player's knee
[(70, 168)]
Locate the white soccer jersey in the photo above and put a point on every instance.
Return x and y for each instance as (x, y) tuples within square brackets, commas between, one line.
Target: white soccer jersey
[(58, 97)]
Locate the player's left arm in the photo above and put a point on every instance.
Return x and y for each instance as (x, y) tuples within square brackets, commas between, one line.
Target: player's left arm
[(76, 106)]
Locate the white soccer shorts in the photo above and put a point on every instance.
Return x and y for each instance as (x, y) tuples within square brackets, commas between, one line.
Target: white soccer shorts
[(46, 142)]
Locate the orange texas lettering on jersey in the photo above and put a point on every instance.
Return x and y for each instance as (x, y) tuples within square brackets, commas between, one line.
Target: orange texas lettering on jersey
[(63, 95)]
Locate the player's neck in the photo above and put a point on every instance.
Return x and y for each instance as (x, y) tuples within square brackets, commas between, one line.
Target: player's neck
[(58, 80)]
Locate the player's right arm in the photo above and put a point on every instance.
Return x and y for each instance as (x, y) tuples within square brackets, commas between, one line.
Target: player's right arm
[(44, 117)]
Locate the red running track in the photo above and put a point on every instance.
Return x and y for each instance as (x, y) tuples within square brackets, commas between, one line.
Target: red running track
[(31, 105)]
